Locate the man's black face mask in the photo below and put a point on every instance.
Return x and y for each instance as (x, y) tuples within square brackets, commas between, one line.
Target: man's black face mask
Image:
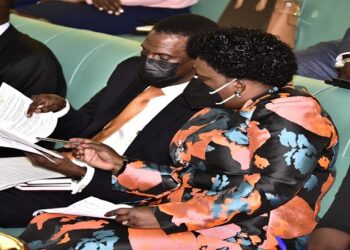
[(159, 73)]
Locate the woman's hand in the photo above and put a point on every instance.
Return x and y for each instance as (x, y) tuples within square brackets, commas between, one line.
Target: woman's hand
[(110, 6), (137, 217), (96, 154), (45, 103), (63, 166)]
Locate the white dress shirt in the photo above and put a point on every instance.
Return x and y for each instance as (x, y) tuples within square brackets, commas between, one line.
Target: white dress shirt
[(121, 139), (4, 27)]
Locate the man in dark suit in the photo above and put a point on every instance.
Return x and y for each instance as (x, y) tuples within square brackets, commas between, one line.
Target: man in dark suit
[(26, 64), (165, 66)]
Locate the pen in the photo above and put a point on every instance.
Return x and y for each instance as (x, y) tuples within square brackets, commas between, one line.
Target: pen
[(53, 140)]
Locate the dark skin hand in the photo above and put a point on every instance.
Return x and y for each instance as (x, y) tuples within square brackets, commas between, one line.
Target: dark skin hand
[(96, 154), (63, 166), (110, 6), (137, 217), (45, 103)]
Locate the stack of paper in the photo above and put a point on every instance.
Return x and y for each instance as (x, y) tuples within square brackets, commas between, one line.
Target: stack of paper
[(16, 170), (57, 184)]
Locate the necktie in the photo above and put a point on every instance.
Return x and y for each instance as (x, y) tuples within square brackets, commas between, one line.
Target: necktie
[(131, 110)]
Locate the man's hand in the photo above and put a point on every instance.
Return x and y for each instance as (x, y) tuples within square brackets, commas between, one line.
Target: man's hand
[(344, 72), (96, 154), (63, 166), (45, 103), (110, 6), (137, 217)]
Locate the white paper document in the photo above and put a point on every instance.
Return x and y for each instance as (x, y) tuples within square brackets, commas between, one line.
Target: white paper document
[(13, 116), (53, 184), (16, 129), (15, 170), (91, 207)]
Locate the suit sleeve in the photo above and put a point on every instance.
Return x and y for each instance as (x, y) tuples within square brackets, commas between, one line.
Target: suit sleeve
[(40, 73), (239, 177)]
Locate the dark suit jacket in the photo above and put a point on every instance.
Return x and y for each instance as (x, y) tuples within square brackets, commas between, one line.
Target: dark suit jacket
[(30, 67), (124, 85)]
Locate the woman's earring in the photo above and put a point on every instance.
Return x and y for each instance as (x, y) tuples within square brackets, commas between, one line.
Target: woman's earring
[(237, 94)]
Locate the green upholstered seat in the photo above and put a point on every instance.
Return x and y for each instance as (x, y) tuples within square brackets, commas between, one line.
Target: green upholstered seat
[(322, 20)]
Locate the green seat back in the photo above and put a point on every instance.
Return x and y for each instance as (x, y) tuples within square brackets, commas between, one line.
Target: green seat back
[(322, 20)]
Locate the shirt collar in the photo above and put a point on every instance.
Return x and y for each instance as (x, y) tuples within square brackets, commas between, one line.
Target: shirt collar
[(4, 27), (174, 90)]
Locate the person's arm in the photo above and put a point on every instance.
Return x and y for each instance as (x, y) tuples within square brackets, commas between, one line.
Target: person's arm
[(133, 176), (38, 72)]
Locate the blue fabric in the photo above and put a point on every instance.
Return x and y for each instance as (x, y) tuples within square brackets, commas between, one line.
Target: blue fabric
[(318, 61), (84, 16)]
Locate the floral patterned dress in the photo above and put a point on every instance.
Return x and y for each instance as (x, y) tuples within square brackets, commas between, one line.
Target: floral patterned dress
[(240, 180)]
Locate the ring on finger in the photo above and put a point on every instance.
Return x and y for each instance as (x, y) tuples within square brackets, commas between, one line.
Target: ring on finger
[(125, 222)]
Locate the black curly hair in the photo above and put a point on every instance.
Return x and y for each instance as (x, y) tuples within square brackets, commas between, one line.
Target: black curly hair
[(185, 25), (245, 54)]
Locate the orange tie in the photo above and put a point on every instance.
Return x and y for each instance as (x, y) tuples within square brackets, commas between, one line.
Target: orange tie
[(131, 110)]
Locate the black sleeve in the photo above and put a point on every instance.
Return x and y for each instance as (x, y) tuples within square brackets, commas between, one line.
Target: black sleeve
[(29, 66), (337, 215), (40, 73)]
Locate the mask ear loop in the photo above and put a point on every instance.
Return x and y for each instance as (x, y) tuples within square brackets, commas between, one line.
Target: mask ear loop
[(222, 87), (237, 94)]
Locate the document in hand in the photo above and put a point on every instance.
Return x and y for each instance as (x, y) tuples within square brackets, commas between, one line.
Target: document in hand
[(16, 129), (91, 207)]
